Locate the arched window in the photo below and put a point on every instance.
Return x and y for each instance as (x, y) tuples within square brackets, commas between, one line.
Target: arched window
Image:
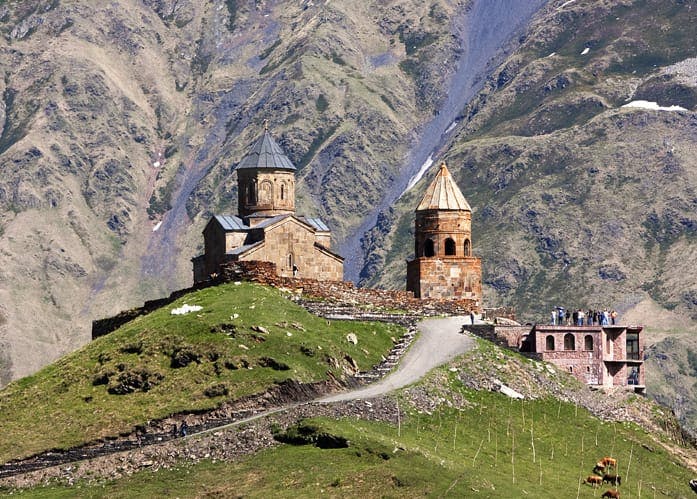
[(571, 369), (449, 247), (549, 342), (283, 192), (569, 342), (468, 247), (251, 193), (290, 261), (588, 342), (265, 192), (428, 248)]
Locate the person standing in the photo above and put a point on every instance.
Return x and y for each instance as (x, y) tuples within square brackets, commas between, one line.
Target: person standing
[(554, 317), (613, 317), (581, 316)]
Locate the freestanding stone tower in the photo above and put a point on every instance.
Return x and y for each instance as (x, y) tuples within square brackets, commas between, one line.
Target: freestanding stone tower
[(444, 266)]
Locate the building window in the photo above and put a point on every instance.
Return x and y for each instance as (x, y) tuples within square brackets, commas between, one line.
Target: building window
[(588, 369), (588, 342), (265, 192), (633, 346), (428, 248), (571, 369), (549, 342), (290, 261), (468, 248), (569, 342), (283, 192), (449, 247)]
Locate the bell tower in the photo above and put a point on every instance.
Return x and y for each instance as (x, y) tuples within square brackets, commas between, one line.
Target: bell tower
[(443, 266), (265, 181)]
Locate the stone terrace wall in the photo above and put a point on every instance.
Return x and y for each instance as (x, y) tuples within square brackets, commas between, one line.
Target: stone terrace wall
[(335, 291), (505, 336), (344, 292)]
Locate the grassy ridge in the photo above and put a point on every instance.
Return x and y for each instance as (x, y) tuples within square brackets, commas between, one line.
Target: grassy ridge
[(486, 446), (162, 364)]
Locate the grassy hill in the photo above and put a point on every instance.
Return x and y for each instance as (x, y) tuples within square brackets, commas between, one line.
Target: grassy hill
[(245, 339), (452, 437)]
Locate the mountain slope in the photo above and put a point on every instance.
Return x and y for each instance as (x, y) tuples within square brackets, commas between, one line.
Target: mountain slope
[(118, 117), (579, 201)]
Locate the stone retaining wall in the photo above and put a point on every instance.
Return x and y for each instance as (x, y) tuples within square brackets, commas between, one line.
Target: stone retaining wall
[(505, 336), (341, 293)]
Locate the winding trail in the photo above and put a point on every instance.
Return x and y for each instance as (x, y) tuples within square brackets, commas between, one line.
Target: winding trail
[(440, 340)]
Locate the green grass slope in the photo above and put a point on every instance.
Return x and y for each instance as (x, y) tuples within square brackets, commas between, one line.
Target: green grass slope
[(449, 441), (245, 339)]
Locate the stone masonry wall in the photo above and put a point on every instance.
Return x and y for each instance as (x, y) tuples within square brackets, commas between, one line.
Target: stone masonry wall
[(263, 272), (293, 238)]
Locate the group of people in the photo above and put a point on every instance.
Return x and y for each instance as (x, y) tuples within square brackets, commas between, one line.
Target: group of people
[(564, 317)]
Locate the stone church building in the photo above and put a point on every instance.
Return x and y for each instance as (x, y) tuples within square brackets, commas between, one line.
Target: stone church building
[(443, 266), (266, 227)]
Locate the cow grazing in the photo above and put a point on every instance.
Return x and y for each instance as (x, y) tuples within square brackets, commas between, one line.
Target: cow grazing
[(594, 480), (613, 479), (608, 461), (599, 469), (612, 494)]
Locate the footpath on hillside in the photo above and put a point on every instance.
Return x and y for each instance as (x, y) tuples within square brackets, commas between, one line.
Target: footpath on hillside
[(440, 340)]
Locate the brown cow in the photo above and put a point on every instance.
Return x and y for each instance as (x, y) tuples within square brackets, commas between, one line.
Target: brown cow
[(612, 494), (599, 469), (608, 461), (613, 479), (594, 480)]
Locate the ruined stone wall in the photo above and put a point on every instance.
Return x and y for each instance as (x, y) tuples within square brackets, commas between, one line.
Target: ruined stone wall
[(264, 272), (505, 336), (342, 291)]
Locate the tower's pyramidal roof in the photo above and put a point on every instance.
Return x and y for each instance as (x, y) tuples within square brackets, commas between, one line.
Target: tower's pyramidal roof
[(443, 194), (266, 153)]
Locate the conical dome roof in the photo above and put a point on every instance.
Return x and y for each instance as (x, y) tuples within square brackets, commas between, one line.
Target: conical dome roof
[(443, 194), (266, 153)]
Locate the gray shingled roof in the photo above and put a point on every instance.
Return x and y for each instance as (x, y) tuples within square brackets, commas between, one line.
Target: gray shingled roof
[(317, 223), (231, 222), (270, 221), (266, 153), (242, 249)]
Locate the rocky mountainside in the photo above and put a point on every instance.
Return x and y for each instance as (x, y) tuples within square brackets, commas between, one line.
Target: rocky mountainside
[(584, 195), (120, 124)]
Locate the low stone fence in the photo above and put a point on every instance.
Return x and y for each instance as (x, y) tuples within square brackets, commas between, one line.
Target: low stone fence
[(337, 292), (504, 336)]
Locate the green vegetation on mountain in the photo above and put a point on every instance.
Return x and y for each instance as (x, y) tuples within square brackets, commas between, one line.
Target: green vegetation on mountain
[(578, 201), (117, 116), (245, 339)]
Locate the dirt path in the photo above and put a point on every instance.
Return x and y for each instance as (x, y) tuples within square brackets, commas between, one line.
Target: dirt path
[(440, 340)]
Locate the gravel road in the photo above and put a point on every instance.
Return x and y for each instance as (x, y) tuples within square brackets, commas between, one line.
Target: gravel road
[(440, 340)]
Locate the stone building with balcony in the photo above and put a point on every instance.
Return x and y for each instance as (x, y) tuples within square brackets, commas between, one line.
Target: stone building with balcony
[(267, 228), (602, 356)]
